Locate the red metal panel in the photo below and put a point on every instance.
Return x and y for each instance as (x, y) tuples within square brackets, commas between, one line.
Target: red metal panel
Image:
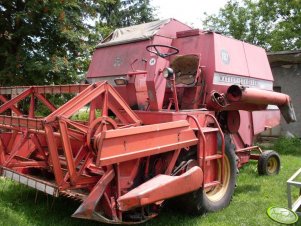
[(257, 61), (117, 60), (246, 127), (136, 142), (87, 208), (230, 56), (162, 187), (263, 120)]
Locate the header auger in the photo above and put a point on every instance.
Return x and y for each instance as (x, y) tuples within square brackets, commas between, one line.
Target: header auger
[(171, 113)]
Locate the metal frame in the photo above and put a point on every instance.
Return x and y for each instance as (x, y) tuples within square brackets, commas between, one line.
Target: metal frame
[(100, 156), (291, 182)]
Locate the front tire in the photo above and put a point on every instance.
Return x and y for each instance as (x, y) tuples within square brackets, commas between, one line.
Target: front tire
[(215, 198)]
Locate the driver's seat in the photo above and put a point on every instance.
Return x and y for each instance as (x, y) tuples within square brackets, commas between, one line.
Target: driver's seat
[(185, 69)]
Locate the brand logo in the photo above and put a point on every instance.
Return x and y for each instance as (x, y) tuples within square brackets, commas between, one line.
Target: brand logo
[(225, 56), (282, 215), (237, 80), (152, 61), (228, 79), (117, 62)]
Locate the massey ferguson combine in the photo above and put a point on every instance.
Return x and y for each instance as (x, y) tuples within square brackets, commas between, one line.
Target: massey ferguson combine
[(172, 114)]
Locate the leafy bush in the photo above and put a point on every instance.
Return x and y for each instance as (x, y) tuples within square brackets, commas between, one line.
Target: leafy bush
[(83, 114), (286, 145)]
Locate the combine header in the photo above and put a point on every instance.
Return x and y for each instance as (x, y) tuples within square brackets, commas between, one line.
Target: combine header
[(172, 113)]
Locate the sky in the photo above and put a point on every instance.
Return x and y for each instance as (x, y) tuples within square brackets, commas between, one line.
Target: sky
[(190, 12)]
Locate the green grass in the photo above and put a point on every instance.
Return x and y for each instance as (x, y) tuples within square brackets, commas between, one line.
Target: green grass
[(253, 195)]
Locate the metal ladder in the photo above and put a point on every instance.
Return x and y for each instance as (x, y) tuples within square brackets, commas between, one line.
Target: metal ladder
[(204, 133)]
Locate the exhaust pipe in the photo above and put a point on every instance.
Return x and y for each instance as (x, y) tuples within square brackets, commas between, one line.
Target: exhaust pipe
[(240, 94)]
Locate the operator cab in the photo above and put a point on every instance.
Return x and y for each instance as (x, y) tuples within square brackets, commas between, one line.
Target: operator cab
[(182, 77), (185, 69)]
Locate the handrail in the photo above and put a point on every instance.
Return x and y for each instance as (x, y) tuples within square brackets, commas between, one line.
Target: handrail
[(223, 144), (204, 144)]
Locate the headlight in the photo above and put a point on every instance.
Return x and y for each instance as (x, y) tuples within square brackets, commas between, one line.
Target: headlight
[(120, 81), (167, 72)]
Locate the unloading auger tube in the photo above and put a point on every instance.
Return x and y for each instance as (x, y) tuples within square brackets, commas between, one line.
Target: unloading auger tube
[(240, 94)]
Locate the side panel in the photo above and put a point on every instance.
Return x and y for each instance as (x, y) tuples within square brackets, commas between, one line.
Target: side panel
[(258, 64), (229, 56), (246, 127), (156, 83), (117, 60), (263, 120)]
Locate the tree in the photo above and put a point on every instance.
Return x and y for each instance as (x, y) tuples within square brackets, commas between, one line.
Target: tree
[(123, 13), (273, 24), (45, 42)]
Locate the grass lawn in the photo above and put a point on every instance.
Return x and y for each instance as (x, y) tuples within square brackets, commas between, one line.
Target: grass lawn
[(253, 195)]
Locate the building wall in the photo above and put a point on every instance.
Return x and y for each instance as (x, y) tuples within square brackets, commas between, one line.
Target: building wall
[(288, 79)]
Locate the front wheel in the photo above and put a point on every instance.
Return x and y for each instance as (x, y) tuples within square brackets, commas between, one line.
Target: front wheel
[(218, 197)]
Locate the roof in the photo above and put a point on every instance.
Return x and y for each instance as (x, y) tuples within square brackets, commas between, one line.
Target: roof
[(284, 57), (134, 33)]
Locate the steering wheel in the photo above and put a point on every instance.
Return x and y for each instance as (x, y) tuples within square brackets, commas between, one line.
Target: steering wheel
[(158, 53)]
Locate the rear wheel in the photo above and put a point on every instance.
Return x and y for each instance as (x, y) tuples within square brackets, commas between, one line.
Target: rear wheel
[(216, 197), (268, 163)]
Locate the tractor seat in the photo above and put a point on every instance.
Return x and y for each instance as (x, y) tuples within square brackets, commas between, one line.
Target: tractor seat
[(185, 69)]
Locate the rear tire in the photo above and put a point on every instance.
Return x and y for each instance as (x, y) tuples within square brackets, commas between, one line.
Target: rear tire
[(268, 163), (218, 197)]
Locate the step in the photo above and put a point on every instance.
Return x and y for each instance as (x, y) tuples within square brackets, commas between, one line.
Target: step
[(211, 184), (212, 157), (209, 129)]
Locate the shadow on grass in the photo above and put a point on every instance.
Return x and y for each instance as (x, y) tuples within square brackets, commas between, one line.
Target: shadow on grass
[(173, 216), (18, 207)]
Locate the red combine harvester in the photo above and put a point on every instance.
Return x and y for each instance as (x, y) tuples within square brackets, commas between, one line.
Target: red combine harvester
[(172, 113)]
